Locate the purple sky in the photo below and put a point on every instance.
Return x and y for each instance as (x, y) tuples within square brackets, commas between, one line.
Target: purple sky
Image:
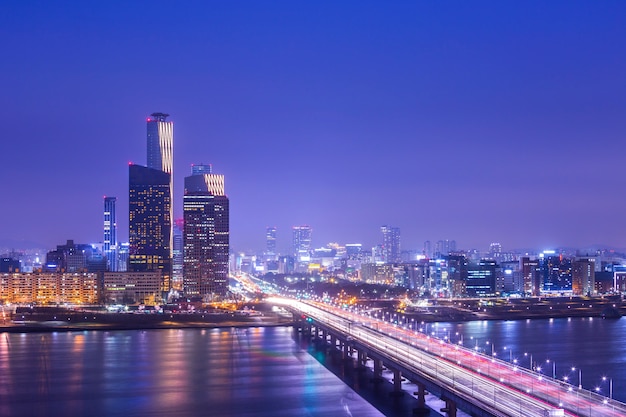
[(475, 121)]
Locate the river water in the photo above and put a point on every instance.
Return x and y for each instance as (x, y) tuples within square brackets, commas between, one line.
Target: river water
[(260, 371)]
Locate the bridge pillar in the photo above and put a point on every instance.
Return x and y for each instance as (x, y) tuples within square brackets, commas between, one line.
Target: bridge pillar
[(345, 350), (450, 408), (397, 383), (317, 332), (362, 359), (378, 370), (421, 400)]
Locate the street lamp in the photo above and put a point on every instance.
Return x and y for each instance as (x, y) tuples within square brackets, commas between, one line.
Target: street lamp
[(610, 387), (580, 377)]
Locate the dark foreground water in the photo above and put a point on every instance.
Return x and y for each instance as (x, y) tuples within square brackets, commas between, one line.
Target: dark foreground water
[(192, 372)]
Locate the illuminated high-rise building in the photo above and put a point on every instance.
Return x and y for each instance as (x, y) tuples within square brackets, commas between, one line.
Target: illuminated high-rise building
[(391, 244), (160, 142), (205, 236), (150, 204), (110, 233), (301, 239), (150, 222), (270, 238)]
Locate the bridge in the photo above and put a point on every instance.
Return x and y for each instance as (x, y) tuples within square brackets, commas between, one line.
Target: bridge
[(465, 379)]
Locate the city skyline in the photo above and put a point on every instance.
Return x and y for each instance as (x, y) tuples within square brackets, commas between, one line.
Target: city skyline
[(466, 122)]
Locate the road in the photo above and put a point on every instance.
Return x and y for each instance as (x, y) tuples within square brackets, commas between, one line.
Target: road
[(498, 386)]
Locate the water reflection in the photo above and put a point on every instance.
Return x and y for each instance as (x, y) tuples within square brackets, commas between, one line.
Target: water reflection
[(219, 372)]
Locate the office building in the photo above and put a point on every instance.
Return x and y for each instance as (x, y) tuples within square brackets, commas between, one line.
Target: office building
[(205, 236), (481, 279), (391, 244), (584, 276), (132, 288), (150, 222), (531, 277), (301, 239), (270, 239), (49, 288), (556, 272), (110, 233)]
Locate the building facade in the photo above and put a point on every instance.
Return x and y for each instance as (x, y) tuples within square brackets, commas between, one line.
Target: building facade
[(150, 222), (206, 236), (110, 233)]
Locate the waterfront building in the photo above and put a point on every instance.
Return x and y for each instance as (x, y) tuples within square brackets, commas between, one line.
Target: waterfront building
[(110, 233), (49, 288), (132, 287), (456, 275), (531, 277), (481, 279), (583, 276), (205, 236), (391, 244), (150, 222), (556, 272)]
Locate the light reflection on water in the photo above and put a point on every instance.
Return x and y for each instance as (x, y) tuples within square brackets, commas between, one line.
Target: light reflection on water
[(192, 372)]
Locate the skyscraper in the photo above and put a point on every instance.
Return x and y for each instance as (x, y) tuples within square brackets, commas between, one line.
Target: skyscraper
[(150, 222), (205, 235), (150, 204), (301, 239), (270, 238), (391, 244), (160, 142), (110, 233)]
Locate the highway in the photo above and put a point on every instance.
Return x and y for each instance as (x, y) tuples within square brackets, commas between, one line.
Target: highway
[(498, 387)]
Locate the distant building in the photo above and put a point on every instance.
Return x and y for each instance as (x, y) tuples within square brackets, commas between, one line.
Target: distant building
[(378, 273), (74, 257), (9, 265), (270, 239), (301, 239), (556, 272), (584, 276), (481, 279), (391, 244), (531, 276), (110, 233), (444, 247)]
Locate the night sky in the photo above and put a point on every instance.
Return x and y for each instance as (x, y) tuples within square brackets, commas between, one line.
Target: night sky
[(481, 121)]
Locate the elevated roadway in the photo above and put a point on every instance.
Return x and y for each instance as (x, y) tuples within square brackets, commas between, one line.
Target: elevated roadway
[(464, 378)]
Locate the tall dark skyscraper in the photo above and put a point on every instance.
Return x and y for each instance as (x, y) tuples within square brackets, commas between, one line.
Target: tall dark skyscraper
[(150, 203), (391, 244), (110, 233), (150, 222), (205, 235)]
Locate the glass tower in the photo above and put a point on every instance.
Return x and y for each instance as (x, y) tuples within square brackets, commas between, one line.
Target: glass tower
[(110, 233), (205, 236), (150, 222)]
